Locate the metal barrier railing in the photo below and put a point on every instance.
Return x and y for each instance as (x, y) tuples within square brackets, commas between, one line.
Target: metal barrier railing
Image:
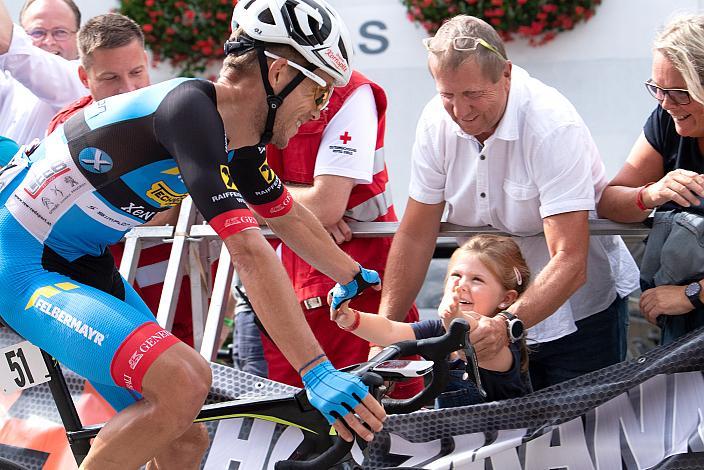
[(189, 250)]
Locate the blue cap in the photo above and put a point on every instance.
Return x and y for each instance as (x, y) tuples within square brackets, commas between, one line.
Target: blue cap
[(8, 149)]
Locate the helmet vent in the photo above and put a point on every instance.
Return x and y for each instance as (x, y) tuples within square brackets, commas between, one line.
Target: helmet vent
[(266, 17), (341, 45)]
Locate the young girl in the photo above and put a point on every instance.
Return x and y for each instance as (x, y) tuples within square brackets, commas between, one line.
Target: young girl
[(484, 276)]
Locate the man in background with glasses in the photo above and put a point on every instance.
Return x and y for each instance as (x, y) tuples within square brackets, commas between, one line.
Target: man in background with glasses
[(499, 148), (39, 67)]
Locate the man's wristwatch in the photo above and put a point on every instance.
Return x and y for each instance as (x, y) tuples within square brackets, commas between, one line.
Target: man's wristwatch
[(692, 292), (514, 325)]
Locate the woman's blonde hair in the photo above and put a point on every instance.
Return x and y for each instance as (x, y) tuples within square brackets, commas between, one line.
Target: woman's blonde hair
[(682, 43)]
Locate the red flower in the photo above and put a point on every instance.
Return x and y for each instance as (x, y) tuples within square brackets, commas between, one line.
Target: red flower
[(495, 21), (550, 8), (147, 28), (149, 3), (522, 2), (497, 3), (579, 10), (222, 16)]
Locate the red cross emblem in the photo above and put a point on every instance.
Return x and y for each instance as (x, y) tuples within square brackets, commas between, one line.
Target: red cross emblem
[(346, 137)]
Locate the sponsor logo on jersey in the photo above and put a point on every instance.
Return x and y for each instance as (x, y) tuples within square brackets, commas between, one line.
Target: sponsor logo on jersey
[(40, 301), (95, 160), (146, 345), (37, 183), (139, 211), (267, 172), (163, 195), (99, 212), (227, 177), (279, 207), (128, 381), (229, 194), (241, 220)]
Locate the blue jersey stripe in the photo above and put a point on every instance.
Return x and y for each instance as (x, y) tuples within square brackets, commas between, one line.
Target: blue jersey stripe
[(127, 106)]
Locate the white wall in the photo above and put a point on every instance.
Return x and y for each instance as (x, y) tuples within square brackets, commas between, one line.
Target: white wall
[(600, 66)]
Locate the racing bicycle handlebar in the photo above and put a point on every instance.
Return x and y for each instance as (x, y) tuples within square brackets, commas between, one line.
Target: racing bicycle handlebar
[(433, 349)]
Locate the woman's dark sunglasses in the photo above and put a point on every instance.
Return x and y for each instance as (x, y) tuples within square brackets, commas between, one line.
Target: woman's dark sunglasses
[(677, 95)]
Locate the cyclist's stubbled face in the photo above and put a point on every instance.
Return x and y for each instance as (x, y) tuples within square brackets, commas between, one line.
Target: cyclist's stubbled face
[(479, 289), (298, 107)]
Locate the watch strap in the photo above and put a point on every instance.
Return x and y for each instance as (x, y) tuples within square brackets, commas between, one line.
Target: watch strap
[(694, 298)]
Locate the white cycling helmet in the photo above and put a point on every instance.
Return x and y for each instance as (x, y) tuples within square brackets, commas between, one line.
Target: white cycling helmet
[(312, 27)]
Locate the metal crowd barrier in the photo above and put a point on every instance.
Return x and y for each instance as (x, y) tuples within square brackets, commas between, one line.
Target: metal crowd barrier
[(190, 240)]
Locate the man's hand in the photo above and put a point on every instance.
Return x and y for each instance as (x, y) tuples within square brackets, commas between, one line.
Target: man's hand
[(340, 232), (344, 292), (335, 394), (488, 337), (664, 300)]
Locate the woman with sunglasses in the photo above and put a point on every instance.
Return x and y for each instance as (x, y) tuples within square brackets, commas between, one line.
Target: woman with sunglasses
[(664, 173)]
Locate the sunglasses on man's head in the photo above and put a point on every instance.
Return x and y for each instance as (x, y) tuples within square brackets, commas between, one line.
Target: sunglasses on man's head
[(677, 95), (461, 43)]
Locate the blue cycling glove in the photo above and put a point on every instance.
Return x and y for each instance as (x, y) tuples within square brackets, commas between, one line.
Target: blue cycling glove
[(332, 392), (344, 292)]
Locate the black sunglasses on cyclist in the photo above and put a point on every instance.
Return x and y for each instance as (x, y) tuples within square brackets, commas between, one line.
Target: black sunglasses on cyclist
[(677, 95)]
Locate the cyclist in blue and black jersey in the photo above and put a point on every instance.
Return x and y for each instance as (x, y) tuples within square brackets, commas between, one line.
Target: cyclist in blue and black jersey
[(119, 162)]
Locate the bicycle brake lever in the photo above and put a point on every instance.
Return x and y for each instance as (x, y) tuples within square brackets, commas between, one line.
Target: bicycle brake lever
[(471, 357)]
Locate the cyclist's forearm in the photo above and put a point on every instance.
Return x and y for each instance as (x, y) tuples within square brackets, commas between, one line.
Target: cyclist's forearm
[(272, 297), (304, 234)]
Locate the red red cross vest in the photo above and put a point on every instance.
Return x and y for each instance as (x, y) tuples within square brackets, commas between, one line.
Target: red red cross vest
[(367, 202)]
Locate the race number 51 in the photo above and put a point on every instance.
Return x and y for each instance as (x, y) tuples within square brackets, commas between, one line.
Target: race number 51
[(22, 366)]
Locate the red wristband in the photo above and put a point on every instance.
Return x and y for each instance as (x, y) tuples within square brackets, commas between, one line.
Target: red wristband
[(355, 323), (639, 198)]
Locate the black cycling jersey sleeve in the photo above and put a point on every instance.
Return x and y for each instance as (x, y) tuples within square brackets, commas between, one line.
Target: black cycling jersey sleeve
[(189, 126), (257, 182)]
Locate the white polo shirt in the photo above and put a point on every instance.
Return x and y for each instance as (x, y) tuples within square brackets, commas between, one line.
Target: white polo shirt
[(34, 86), (540, 161)]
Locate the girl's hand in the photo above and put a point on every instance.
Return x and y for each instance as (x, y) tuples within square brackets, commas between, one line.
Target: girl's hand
[(343, 316), (449, 307)]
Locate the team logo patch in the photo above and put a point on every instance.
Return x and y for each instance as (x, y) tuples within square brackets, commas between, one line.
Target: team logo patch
[(267, 172), (346, 137), (163, 195), (227, 177), (95, 160), (37, 183)]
